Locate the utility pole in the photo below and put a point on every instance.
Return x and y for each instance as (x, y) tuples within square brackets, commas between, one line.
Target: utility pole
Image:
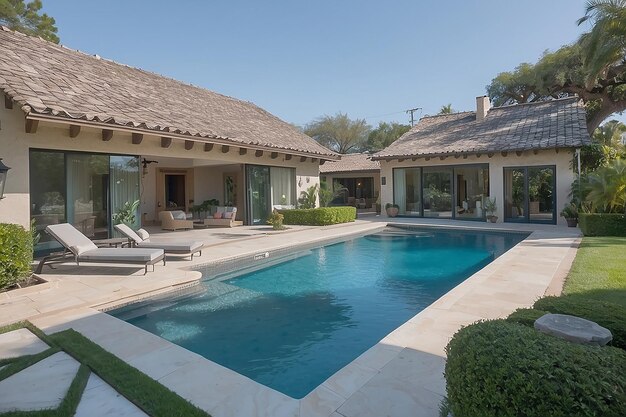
[(411, 111)]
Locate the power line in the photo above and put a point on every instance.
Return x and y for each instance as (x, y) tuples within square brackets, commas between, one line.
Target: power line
[(411, 111)]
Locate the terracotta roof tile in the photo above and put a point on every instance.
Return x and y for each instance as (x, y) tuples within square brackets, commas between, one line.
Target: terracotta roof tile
[(49, 79), (351, 162), (542, 125)]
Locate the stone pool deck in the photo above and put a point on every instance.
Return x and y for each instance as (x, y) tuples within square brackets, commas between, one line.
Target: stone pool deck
[(400, 376)]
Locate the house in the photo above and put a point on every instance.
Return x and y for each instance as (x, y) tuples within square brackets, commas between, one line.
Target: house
[(84, 135), (520, 155), (358, 175)]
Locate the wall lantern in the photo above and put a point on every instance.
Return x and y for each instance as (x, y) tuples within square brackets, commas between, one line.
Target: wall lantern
[(3, 177)]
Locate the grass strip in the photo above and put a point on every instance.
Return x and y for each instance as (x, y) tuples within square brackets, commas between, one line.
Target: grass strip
[(24, 362), (68, 405), (147, 394), (599, 270), (13, 326)]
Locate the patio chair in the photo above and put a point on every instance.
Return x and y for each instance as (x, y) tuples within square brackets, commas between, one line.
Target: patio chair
[(79, 247), (223, 217), (141, 239), (169, 222)]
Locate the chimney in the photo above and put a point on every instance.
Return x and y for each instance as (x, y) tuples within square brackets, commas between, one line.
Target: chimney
[(482, 107)]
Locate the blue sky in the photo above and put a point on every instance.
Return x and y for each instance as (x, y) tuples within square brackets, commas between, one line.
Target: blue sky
[(303, 59)]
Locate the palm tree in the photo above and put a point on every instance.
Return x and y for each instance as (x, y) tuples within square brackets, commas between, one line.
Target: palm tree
[(446, 109), (610, 134), (605, 45), (607, 187)]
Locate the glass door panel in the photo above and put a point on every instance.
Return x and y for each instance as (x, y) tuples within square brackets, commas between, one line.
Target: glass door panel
[(88, 194), (541, 194), (515, 200), (124, 184), (407, 191), (437, 192), (47, 195), (259, 193), (283, 184), (472, 185)]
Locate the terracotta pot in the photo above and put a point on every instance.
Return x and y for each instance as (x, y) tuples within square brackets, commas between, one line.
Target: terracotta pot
[(492, 219), (571, 222), (392, 211)]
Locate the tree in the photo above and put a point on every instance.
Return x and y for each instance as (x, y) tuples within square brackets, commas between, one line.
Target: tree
[(606, 43), (594, 68), (26, 18), (385, 134), (610, 134), (446, 109), (339, 133)]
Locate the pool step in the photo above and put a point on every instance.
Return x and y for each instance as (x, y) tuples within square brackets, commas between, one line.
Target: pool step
[(219, 296)]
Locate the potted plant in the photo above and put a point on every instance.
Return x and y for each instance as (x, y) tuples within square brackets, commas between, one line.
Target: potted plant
[(276, 220), (392, 209), (491, 208), (127, 214), (570, 213)]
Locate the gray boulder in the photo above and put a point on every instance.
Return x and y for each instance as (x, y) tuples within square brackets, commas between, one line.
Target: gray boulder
[(574, 329)]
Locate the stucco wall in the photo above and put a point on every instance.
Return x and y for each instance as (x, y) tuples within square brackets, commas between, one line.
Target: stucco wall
[(562, 159), (15, 144)]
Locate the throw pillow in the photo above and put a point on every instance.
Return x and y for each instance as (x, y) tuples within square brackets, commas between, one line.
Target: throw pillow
[(143, 234)]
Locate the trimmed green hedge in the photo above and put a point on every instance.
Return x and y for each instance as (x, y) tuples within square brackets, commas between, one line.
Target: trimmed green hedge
[(525, 316), (16, 254), (602, 224), (609, 315), (322, 216), (502, 369)]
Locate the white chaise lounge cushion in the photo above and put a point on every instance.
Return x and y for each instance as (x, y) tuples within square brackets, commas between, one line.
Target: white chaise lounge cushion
[(121, 255), (71, 238), (143, 234), (128, 232), (168, 246)]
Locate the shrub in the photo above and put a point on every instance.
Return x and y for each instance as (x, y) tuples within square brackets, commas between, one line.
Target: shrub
[(602, 224), (606, 314), (501, 369), (319, 216), (276, 220), (525, 316), (16, 254)]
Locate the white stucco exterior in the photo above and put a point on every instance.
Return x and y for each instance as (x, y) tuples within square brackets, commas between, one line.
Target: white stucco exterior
[(561, 160), (208, 167)]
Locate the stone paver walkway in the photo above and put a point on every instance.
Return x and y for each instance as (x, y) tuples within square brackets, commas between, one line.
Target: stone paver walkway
[(20, 342), (40, 386), (100, 400)]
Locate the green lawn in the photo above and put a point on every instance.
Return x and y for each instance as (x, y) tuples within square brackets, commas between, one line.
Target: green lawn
[(599, 270)]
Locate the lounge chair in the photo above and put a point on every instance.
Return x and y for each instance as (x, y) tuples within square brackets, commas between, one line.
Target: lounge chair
[(174, 220), (141, 239), (79, 247)]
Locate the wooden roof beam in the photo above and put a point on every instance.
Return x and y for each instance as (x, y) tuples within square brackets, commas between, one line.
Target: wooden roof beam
[(208, 147), (107, 134), (137, 138), (74, 130), (243, 151), (258, 153), (8, 103), (189, 144), (31, 126)]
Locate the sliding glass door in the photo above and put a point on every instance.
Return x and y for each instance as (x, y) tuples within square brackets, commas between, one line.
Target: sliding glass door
[(269, 188), (82, 189), (456, 192), (529, 194)]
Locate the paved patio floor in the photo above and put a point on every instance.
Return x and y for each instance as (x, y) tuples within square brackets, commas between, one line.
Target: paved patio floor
[(400, 376)]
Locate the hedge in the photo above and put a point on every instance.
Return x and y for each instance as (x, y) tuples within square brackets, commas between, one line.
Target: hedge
[(602, 224), (525, 316), (16, 254), (502, 369), (606, 314), (319, 216)]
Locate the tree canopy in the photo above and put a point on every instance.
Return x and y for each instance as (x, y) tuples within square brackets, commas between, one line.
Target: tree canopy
[(26, 18), (339, 133), (446, 109), (385, 134), (594, 68)]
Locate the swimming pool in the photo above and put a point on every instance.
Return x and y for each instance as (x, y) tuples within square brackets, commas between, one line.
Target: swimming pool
[(292, 325)]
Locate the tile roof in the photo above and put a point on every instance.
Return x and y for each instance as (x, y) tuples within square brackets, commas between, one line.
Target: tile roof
[(542, 125), (49, 79), (351, 162)]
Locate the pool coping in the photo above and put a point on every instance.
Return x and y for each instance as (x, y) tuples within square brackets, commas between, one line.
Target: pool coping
[(240, 395)]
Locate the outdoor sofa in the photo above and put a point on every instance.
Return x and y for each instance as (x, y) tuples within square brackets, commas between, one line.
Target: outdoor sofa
[(223, 217), (79, 247), (141, 239)]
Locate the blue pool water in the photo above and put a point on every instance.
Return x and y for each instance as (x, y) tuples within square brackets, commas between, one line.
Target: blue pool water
[(292, 325)]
